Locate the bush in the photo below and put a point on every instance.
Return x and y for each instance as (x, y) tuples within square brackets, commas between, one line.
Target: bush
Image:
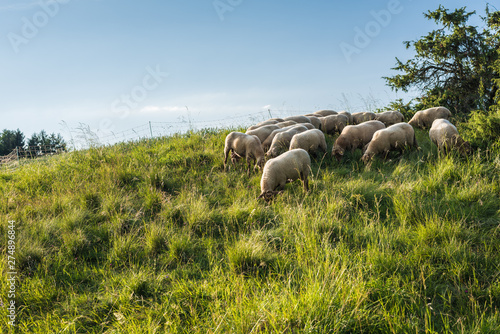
[(483, 129)]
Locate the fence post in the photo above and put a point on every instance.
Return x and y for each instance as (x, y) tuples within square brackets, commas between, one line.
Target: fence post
[(150, 129)]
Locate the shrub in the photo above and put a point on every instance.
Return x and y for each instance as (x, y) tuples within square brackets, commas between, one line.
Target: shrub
[(483, 129)]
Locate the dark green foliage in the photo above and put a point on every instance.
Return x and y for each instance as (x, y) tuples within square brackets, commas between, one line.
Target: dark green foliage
[(43, 139), (483, 129), (9, 140), (452, 65)]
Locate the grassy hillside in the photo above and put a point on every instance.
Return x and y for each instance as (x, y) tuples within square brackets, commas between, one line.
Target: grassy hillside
[(154, 237)]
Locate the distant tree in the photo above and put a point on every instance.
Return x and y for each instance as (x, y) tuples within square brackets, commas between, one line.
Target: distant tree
[(47, 143), (483, 126), (494, 24), (452, 65), (9, 140)]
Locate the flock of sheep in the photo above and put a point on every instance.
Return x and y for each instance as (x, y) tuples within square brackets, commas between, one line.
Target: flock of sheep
[(289, 142)]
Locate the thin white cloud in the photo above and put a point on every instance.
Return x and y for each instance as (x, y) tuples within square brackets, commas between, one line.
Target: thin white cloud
[(158, 109), (17, 6)]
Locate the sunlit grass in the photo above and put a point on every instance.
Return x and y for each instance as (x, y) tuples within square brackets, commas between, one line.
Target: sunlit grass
[(154, 237)]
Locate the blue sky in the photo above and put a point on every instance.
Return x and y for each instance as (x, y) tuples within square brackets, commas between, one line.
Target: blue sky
[(114, 65)]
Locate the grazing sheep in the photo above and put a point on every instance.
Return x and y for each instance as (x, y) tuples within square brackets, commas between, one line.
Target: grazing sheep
[(288, 167), (360, 117), (315, 121), (445, 136), (348, 114), (423, 119), (311, 140), (267, 143), (261, 124), (281, 142), (389, 117), (333, 123), (395, 137), (314, 115), (263, 131), (244, 145), (355, 136), (309, 126), (286, 123), (298, 119), (325, 112)]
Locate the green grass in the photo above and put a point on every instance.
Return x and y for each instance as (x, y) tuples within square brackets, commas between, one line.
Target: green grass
[(154, 237)]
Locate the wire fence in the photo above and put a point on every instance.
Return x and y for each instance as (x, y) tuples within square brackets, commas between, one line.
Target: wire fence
[(20, 154), (84, 136)]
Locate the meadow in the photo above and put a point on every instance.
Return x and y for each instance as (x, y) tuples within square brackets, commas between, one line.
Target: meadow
[(153, 236)]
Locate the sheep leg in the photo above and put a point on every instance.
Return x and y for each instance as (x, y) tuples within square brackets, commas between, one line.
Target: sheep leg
[(386, 154), (305, 182), (249, 159), (226, 153), (234, 158), (415, 144)]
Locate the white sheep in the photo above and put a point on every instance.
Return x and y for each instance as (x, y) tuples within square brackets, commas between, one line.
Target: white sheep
[(309, 126), (288, 167), (423, 119), (261, 124), (244, 145), (348, 114), (355, 136), (263, 131), (445, 136), (395, 137), (298, 119), (315, 121), (311, 140), (286, 123), (267, 143), (360, 117), (389, 117), (281, 142), (325, 112), (333, 124)]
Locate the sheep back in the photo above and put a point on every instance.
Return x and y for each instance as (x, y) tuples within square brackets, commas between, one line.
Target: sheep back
[(348, 114), (395, 137), (286, 123), (263, 123), (333, 123), (311, 141), (298, 119), (263, 131), (315, 121), (423, 119), (325, 112), (267, 142), (355, 136), (288, 167), (445, 136), (364, 116), (389, 117), (281, 141)]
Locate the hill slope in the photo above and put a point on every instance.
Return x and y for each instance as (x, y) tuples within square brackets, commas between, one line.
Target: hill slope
[(154, 236)]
